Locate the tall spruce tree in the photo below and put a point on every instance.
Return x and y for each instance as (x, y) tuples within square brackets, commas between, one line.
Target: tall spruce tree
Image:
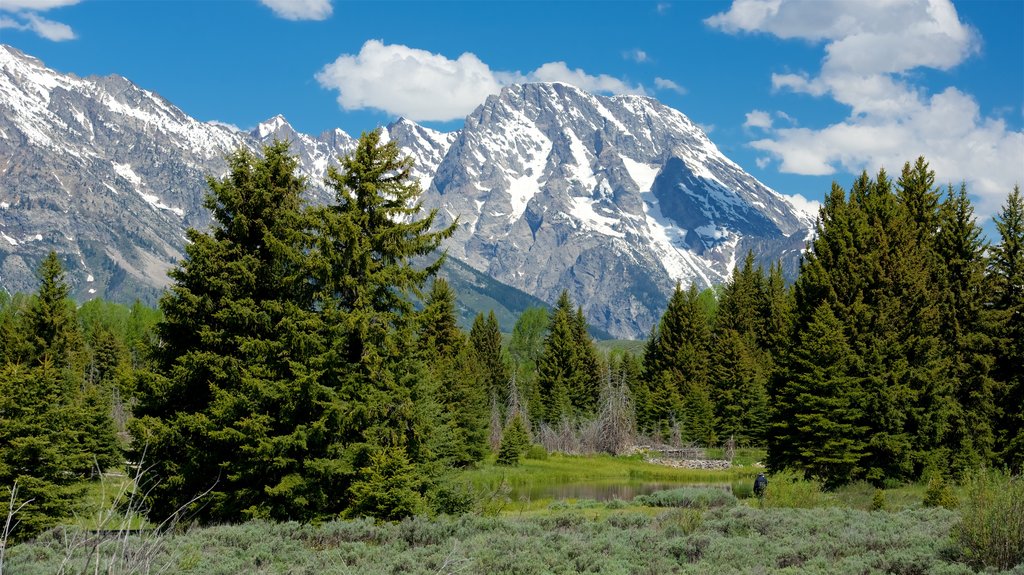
[(869, 263), (966, 329), (818, 427), (220, 412), (485, 341), (55, 427), (568, 374), (438, 333), (286, 365), (1006, 288), (677, 368), (739, 366)]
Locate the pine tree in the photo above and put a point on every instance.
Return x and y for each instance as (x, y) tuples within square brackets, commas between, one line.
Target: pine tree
[(514, 442), (219, 411), (287, 356), (50, 318), (739, 366), (965, 328), (677, 365), (871, 266), (568, 372), (1006, 287), (818, 427), (438, 332), (485, 341)]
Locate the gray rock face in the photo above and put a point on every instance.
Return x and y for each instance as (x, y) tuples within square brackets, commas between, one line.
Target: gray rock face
[(615, 199)]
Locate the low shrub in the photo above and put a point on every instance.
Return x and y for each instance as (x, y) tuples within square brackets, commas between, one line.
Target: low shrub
[(939, 493), (537, 453), (788, 489), (878, 500), (991, 528), (696, 497)]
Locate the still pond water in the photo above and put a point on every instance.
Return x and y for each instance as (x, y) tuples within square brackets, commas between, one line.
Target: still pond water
[(603, 490)]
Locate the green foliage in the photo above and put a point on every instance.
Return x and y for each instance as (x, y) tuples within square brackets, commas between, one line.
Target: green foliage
[(568, 374), (939, 493), (485, 341), (789, 490), (698, 497), (878, 502), (676, 369), (287, 362), (1006, 290), (991, 528), (387, 488), (537, 453), (55, 426), (515, 441)]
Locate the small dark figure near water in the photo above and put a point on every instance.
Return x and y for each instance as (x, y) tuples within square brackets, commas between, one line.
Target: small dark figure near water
[(760, 484)]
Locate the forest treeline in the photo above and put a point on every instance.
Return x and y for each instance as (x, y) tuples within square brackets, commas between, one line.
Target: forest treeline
[(301, 368)]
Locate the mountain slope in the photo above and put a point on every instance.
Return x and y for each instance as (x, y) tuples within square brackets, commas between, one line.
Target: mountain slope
[(613, 198)]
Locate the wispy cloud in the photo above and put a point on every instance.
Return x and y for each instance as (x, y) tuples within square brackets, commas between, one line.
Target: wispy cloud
[(758, 119), (666, 84), (869, 49), (24, 15), (300, 9), (637, 55), (424, 86)]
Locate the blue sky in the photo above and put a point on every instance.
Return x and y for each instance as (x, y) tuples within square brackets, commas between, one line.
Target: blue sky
[(798, 93)]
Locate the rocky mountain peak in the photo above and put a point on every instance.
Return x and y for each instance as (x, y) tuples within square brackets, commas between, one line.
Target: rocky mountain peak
[(613, 198)]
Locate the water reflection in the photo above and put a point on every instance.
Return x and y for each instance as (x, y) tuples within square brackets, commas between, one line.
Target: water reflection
[(603, 491)]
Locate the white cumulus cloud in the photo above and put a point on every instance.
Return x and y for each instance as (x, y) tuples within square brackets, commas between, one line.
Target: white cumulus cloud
[(424, 86), (24, 16), (666, 84), (870, 49), (758, 119), (300, 9)]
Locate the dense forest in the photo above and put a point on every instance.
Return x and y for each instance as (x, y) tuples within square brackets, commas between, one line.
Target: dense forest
[(301, 368)]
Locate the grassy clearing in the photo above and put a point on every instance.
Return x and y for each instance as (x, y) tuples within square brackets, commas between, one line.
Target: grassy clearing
[(578, 469)]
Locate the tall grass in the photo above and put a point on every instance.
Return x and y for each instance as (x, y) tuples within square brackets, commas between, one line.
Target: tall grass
[(991, 528)]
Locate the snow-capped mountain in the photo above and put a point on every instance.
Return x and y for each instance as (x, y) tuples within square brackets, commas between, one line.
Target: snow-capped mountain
[(614, 198), (110, 175)]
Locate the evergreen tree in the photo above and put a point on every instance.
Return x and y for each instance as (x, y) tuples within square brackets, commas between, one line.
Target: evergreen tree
[(485, 341), (965, 330), (1006, 279), (568, 373), (287, 357), (868, 262), (35, 452), (55, 428), (817, 426), (514, 442), (221, 411), (739, 367), (439, 335), (677, 365), (50, 319)]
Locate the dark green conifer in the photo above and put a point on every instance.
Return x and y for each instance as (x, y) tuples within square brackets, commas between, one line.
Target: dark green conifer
[(567, 378), (966, 329), (1006, 281)]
